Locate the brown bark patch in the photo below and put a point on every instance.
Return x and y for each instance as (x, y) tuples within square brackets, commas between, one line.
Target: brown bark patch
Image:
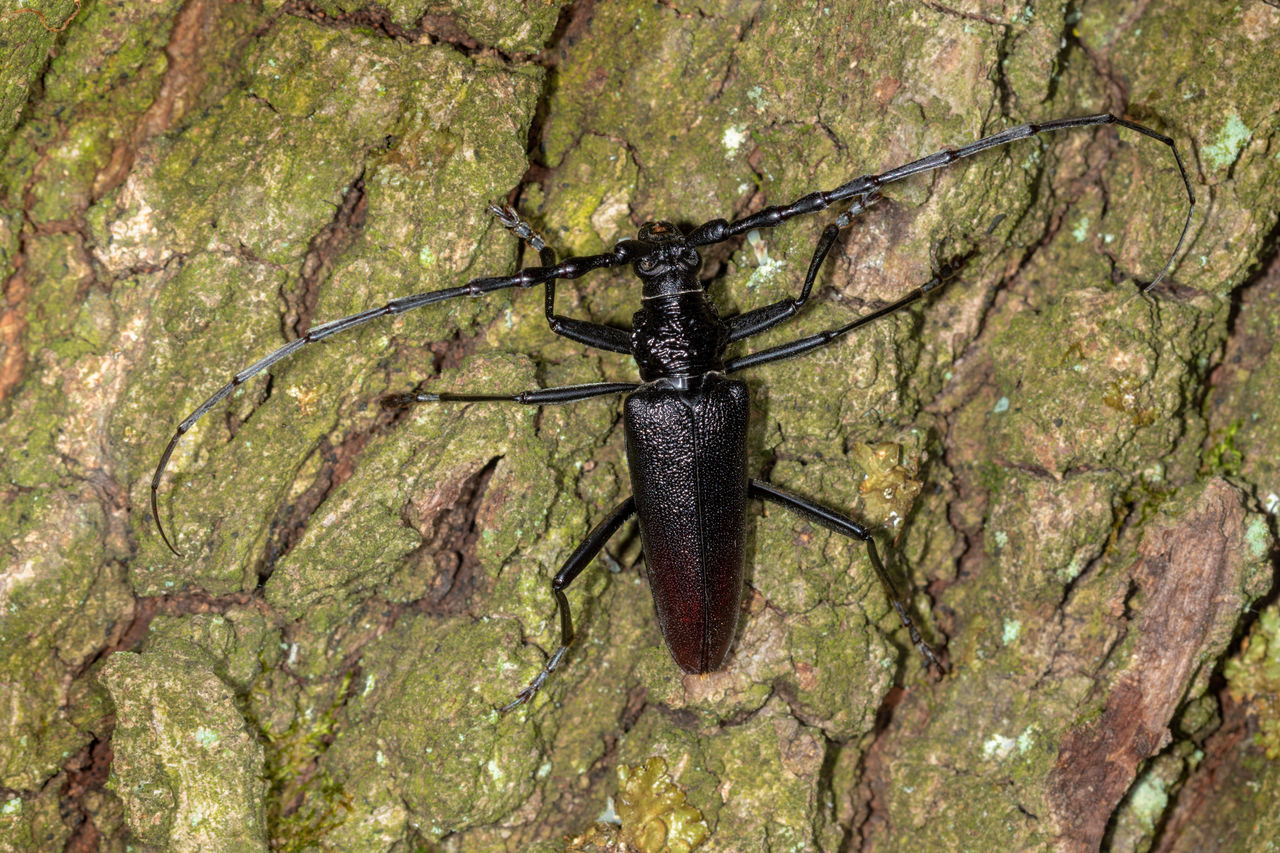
[(1189, 574), (87, 772), (1203, 816), (182, 82), (13, 328)]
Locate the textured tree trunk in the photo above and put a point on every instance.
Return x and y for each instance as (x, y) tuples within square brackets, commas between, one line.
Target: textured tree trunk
[(1078, 482)]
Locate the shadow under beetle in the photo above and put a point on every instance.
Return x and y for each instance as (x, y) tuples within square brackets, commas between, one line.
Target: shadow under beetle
[(686, 421)]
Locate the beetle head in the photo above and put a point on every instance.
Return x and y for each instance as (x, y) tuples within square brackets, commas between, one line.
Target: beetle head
[(667, 264)]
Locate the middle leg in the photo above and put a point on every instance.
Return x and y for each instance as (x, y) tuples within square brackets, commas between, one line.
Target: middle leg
[(533, 397)]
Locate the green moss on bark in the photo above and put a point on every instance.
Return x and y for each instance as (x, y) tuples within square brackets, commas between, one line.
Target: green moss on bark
[(186, 766)]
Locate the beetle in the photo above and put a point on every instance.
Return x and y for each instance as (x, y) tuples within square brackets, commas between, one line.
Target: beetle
[(685, 422)]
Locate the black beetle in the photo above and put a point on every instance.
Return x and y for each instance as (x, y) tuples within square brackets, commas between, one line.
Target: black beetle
[(686, 422)]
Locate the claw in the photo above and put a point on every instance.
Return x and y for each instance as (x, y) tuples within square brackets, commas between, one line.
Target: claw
[(531, 689), (930, 659), (510, 219), (926, 651)]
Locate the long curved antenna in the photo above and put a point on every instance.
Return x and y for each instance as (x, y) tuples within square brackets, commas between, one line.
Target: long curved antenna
[(528, 277), (864, 185)]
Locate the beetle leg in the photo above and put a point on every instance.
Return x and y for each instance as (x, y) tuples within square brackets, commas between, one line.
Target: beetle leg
[(595, 335), (846, 526), (578, 560), (598, 335), (821, 339), (534, 397), (512, 221), (761, 319)]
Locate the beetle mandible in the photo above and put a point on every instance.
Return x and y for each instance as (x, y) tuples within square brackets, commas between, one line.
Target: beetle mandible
[(686, 420)]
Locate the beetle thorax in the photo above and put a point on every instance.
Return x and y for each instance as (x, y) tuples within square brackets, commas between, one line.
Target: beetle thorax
[(678, 335), (677, 332)]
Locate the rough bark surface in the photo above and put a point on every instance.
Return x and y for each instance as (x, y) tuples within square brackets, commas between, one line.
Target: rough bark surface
[(1079, 483), (1190, 576)]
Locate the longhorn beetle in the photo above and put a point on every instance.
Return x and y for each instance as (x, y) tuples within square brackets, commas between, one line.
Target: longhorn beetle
[(686, 420)]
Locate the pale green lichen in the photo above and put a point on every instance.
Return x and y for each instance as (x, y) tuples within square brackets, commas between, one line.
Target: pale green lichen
[(1257, 536), (1226, 148), (1027, 739), (1149, 799), (733, 138), (998, 746), (767, 267), (1081, 229)]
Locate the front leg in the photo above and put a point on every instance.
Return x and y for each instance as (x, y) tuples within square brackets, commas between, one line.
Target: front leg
[(821, 339), (595, 335), (761, 319)]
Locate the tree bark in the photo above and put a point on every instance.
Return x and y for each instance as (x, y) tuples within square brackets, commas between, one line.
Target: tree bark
[(1078, 482)]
